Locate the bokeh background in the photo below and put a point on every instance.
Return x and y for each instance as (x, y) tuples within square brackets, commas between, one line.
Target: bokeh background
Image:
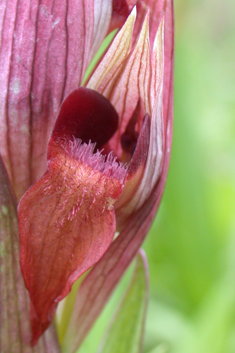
[(191, 246)]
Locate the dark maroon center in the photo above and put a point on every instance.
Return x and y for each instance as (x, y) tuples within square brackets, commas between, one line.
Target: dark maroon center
[(87, 115), (130, 136)]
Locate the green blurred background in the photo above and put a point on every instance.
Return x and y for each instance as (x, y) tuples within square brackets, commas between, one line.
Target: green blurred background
[(191, 246)]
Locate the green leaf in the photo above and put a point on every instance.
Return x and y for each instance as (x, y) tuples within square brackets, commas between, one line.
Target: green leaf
[(104, 46), (126, 331), (65, 309), (161, 348)]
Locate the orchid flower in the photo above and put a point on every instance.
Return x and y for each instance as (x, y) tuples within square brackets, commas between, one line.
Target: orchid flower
[(87, 162)]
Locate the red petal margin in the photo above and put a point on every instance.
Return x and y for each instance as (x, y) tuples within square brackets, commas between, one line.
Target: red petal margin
[(102, 279), (67, 219), (14, 300), (45, 49), (135, 172)]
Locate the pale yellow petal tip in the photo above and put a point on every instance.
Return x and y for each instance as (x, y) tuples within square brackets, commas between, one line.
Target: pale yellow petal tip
[(146, 24), (114, 57), (129, 24), (159, 39), (133, 13), (158, 48)]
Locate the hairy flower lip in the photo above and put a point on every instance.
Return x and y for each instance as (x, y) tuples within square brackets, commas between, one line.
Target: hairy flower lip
[(52, 234), (71, 207), (90, 156)]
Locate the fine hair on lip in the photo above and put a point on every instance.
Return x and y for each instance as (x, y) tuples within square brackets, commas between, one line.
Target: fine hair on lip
[(107, 164)]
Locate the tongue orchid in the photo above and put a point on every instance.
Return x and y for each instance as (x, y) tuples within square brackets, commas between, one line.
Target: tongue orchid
[(108, 141)]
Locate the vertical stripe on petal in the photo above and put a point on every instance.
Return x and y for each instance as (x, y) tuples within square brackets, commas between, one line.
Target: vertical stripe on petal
[(102, 18), (133, 86), (102, 79), (154, 161)]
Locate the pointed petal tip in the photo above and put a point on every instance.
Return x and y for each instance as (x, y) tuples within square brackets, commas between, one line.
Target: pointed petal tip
[(108, 70), (159, 38), (134, 12), (37, 326), (144, 33)]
